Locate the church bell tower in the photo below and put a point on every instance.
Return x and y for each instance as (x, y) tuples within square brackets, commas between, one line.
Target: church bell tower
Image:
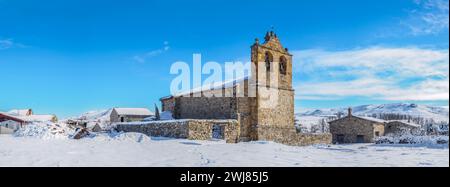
[(272, 75)]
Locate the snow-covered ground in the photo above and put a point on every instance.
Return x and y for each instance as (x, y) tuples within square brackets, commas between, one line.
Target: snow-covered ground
[(134, 149)]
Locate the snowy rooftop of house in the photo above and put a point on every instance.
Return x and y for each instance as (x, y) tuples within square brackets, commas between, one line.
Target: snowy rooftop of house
[(28, 116), (405, 122), (20, 112), (207, 87), (372, 119), (388, 121), (38, 118), (11, 117), (133, 111)]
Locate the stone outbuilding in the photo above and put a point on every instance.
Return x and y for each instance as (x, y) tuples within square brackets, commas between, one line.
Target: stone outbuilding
[(353, 129), (129, 114), (398, 128)]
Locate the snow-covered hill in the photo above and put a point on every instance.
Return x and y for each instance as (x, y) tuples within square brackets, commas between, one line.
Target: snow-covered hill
[(100, 117), (424, 111), (96, 115)]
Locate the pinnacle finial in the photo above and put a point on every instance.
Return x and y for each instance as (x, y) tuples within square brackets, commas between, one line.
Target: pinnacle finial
[(267, 37)]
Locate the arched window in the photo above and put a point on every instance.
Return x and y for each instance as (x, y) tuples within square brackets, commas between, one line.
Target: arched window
[(268, 60), (283, 65)]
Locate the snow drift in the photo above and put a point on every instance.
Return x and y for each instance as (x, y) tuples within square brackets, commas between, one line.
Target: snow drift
[(46, 130), (62, 131)]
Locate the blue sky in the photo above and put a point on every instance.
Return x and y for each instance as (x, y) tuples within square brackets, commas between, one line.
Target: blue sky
[(68, 57)]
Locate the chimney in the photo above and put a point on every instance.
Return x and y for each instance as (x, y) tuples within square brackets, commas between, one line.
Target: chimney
[(349, 111)]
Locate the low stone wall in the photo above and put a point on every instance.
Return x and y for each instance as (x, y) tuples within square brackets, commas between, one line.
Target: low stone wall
[(289, 136), (190, 129)]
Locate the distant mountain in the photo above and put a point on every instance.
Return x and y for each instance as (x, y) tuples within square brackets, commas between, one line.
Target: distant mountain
[(425, 111), (96, 115)]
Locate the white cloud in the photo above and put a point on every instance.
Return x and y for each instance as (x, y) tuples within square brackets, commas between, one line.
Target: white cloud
[(142, 58), (432, 17), (377, 73), (6, 44), (9, 43)]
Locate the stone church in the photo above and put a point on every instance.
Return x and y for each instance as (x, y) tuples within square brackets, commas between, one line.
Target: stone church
[(256, 122)]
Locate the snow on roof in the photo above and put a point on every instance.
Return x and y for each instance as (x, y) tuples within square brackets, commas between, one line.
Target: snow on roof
[(388, 121), (385, 121), (364, 118), (20, 112), (133, 111), (372, 119), (11, 117), (38, 118), (208, 87), (405, 122)]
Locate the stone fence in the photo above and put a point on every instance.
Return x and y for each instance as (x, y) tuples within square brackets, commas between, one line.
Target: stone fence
[(289, 136), (187, 128), (229, 130)]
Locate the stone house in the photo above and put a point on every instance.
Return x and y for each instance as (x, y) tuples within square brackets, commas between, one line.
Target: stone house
[(353, 129), (129, 114), (262, 103), (398, 128)]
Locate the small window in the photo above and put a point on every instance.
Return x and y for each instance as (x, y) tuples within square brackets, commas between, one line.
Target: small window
[(377, 133)]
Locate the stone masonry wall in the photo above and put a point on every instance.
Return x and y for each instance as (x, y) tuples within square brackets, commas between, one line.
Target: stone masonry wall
[(205, 108), (189, 129), (174, 129), (289, 136), (168, 104), (278, 110)]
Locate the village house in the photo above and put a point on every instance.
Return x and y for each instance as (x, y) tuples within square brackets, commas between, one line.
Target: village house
[(14, 119), (29, 116), (9, 123), (353, 129), (358, 129), (129, 114)]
